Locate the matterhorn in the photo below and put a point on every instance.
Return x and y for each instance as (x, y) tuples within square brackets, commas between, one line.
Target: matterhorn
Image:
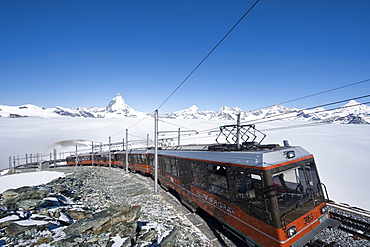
[(118, 108)]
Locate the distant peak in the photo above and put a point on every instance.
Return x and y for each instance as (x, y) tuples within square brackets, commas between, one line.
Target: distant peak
[(194, 107), (227, 108), (353, 102), (117, 103)]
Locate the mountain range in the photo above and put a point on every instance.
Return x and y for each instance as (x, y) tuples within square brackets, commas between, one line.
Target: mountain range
[(350, 113)]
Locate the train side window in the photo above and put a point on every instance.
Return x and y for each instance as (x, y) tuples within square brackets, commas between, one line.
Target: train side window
[(151, 159), (217, 180), (170, 166), (197, 171), (174, 167), (249, 188)]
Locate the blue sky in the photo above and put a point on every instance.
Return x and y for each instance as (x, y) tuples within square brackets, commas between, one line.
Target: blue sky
[(81, 53)]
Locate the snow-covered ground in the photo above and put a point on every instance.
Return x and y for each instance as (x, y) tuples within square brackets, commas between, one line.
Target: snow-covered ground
[(341, 151), (27, 179)]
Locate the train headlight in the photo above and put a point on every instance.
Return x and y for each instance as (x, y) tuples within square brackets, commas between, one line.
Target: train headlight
[(325, 209), (291, 231)]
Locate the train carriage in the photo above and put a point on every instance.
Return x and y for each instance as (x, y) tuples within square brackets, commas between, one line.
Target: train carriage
[(268, 195), (272, 197)]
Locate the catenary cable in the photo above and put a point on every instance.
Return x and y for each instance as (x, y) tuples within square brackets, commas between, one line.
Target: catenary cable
[(318, 93), (209, 53)]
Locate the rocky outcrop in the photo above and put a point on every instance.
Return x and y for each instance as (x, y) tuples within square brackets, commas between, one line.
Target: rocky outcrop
[(28, 212), (92, 207)]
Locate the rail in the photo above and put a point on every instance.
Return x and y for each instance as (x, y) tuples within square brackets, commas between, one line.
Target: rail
[(354, 220)]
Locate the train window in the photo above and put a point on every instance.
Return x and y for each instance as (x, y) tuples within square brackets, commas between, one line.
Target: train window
[(313, 178), (291, 187), (197, 171), (249, 188), (151, 159), (170, 166), (174, 169), (217, 180)]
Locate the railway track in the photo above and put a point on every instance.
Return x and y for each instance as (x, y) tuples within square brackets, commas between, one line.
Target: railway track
[(354, 220)]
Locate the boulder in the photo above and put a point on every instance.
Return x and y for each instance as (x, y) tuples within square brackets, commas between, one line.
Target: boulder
[(15, 198), (115, 220), (78, 214)]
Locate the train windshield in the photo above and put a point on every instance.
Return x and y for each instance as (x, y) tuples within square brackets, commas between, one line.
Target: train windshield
[(295, 185)]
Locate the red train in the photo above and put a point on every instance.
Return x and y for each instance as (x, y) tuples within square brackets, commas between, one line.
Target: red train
[(269, 195)]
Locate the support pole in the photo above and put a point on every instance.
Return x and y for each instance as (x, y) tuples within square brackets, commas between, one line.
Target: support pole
[(109, 156), (147, 140), (10, 162), (156, 153), (178, 138), (26, 158), (76, 157), (126, 151), (92, 153), (238, 131)]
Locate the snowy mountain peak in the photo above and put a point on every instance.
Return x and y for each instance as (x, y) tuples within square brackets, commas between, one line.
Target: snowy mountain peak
[(117, 104), (352, 103), (193, 108), (230, 109)]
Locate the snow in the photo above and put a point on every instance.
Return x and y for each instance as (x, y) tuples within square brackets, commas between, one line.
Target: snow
[(341, 151), (31, 222), (9, 218), (118, 241), (64, 217), (27, 179)]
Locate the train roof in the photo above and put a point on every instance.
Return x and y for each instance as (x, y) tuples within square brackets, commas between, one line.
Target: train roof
[(260, 159)]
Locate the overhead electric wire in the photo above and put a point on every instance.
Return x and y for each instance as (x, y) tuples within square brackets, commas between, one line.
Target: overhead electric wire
[(209, 53), (199, 64), (309, 108), (259, 121), (326, 91), (297, 126), (214, 48), (318, 93), (307, 96)]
